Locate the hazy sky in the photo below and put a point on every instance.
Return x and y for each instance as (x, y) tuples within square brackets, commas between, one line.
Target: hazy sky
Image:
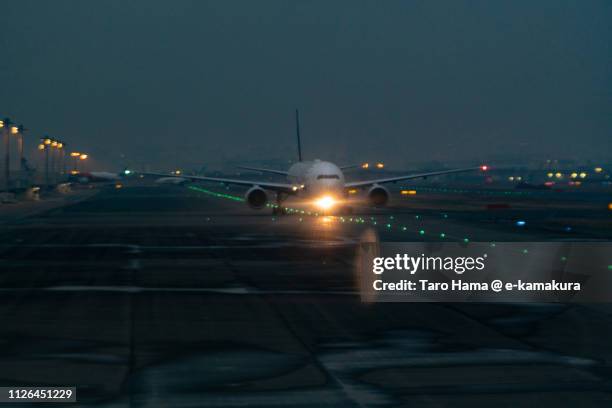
[(190, 82)]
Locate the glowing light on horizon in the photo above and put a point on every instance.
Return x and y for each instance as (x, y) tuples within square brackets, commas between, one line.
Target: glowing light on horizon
[(325, 202)]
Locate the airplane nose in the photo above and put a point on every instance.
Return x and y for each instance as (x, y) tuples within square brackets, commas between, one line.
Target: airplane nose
[(333, 187)]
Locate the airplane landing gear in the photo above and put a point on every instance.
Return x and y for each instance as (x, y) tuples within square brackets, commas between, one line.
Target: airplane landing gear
[(279, 209)]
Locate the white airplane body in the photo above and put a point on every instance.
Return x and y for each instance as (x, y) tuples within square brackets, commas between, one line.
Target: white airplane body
[(97, 177), (320, 183), (171, 180), (318, 178)]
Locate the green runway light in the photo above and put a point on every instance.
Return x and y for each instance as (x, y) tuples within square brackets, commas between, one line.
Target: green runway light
[(358, 220), (563, 259), (466, 240), (610, 267), (525, 251), (215, 194)]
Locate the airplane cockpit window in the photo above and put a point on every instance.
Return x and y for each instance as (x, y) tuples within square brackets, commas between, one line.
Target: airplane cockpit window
[(328, 176)]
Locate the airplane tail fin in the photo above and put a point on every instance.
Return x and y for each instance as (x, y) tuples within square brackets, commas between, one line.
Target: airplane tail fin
[(297, 131)]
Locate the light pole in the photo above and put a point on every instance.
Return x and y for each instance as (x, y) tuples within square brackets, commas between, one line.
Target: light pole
[(54, 160), (46, 143), (20, 131), (62, 159), (6, 129), (42, 147), (83, 157), (75, 156)]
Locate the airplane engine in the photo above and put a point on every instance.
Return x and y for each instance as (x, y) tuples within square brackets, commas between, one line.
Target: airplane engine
[(256, 197), (378, 196)]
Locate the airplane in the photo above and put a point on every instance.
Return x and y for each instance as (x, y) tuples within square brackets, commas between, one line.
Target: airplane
[(95, 177), (105, 176), (172, 180), (321, 183)]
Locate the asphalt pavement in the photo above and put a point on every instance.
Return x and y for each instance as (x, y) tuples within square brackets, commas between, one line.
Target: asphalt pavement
[(181, 297)]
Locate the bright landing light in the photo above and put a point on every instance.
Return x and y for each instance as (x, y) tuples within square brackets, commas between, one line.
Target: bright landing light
[(325, 202)]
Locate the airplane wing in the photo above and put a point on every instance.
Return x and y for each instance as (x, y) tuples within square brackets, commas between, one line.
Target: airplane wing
[(283, 173), (282, 187), (411, 177)]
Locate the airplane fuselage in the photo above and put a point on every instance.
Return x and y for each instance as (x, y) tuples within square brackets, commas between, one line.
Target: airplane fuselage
[(317, 178)]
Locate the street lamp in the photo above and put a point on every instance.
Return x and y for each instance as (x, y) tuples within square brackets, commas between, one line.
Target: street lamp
[(62, 156), (83, 157), (7, 129), (75, 156), (52, 146), (45, 145), (20, 130), (58, 158)]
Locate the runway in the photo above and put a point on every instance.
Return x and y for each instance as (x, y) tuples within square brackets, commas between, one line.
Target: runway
[(183, 297)]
